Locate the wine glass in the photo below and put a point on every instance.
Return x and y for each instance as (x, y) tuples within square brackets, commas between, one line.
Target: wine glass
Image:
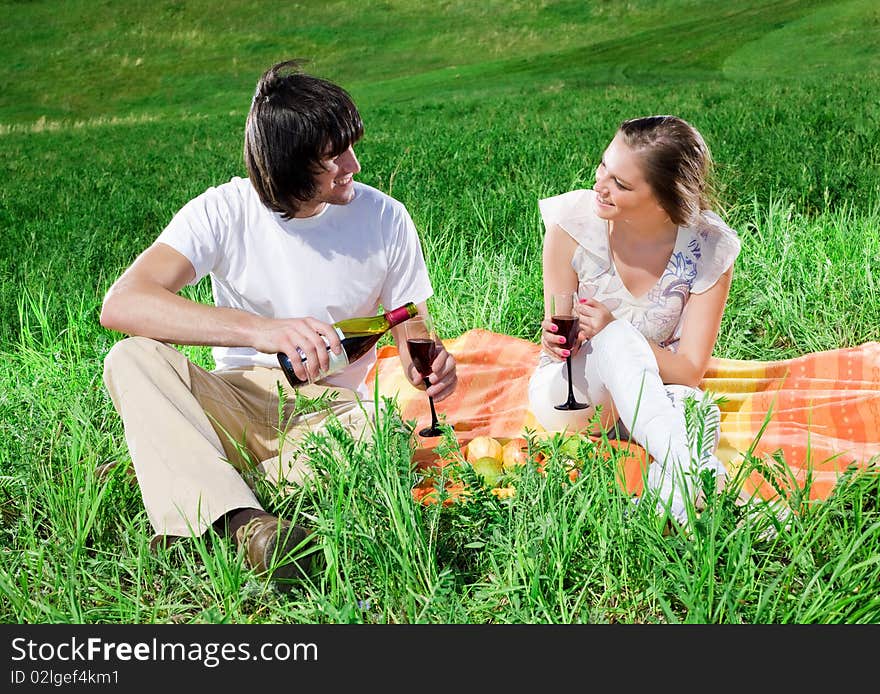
[(421, 342), (563, 316)]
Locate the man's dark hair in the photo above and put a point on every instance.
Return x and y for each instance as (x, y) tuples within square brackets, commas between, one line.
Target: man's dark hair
[(295, 122)]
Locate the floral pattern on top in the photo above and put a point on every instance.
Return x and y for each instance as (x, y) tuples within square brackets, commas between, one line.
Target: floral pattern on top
[(702, 252)]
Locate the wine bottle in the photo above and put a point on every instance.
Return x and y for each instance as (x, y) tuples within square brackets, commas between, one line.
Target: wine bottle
[(358, 335)]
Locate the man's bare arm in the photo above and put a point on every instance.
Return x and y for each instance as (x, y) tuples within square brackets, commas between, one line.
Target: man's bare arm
[(145, 301)]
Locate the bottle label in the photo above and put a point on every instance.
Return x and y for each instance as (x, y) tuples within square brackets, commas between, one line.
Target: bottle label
[(337, 361)]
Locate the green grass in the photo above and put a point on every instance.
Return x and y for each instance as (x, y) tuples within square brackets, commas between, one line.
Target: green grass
[(112, 115)]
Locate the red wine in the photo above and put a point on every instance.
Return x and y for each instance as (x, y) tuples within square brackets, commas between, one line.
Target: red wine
[(568, 328), (422, 351), (358, 336)]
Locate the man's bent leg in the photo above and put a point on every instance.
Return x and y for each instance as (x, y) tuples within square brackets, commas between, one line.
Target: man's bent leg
[(290, 464), (179, 460)]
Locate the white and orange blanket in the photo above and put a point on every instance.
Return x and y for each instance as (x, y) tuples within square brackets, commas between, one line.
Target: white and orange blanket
[(819, 413)]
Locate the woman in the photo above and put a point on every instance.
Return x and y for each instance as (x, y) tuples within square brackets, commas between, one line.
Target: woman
[(652, 266)]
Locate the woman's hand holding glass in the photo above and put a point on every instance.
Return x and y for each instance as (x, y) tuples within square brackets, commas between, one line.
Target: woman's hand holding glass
[(593, 316), (554, 338), (554, 343), (566, 338)]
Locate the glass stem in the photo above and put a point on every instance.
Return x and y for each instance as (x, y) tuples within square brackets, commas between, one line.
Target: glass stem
[(431, 401), (570, 386)]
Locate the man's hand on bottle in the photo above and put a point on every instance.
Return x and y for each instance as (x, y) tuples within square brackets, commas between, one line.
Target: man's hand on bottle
[(296, 337)]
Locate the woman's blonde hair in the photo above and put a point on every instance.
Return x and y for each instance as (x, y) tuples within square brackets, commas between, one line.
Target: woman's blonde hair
[(677, 164)]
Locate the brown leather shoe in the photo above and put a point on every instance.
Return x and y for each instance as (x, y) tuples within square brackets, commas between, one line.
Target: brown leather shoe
[(275, 546), (103, 472)]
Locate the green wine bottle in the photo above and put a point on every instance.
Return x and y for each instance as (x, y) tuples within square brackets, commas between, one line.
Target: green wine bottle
[(358, 336)]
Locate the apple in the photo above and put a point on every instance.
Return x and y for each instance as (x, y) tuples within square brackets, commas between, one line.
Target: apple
[(570, 447), (489, 469), (514, 453), (483, 447)]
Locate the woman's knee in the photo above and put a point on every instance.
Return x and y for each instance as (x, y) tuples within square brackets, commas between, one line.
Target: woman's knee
[(620, 343), (547, 388), (570, 421)]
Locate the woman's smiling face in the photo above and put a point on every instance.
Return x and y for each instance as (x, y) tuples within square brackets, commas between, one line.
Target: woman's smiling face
[(621, 189)]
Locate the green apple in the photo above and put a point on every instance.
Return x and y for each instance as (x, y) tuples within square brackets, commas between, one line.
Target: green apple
[(570, 447), (489, 469)]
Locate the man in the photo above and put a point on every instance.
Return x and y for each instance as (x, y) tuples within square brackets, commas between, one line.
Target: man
[(293, 248)]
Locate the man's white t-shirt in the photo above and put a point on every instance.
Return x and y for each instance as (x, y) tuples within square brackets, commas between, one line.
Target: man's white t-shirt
[(344, 262)]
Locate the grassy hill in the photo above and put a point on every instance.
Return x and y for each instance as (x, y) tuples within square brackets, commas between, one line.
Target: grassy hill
[(112, 115)]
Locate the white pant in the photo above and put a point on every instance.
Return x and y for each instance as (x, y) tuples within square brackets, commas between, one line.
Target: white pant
[(617, 371)]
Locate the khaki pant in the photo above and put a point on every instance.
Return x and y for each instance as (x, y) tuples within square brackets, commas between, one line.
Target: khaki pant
[(199, 440)]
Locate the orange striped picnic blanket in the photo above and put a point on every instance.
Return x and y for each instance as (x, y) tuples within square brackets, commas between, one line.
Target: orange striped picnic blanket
[(820, 411)]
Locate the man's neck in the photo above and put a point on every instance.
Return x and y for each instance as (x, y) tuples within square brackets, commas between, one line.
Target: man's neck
[(306, 211)]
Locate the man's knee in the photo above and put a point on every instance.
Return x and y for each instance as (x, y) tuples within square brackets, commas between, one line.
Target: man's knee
[(127, 350), (121, 356), (135, 350), (137, 355)]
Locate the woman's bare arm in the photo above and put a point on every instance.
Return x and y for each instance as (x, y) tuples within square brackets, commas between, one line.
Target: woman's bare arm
[(698, 336)]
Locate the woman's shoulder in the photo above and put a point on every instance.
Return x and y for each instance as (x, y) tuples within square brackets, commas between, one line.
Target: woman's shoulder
[(564, 204), (717, 235), (710, 222), (714, 245), (574, 212), (572, 204)]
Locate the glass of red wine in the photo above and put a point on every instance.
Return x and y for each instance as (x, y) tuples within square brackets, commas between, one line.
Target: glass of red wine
[(422, 342), (562, 314)]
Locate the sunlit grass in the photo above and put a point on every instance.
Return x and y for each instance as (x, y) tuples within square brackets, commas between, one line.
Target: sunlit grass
[(473, 113)]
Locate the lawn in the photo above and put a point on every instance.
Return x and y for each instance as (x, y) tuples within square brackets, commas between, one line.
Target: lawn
[(113, 115)]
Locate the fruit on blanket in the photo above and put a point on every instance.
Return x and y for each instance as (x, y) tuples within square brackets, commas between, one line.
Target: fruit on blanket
[(514, 453), (570, 447), (571, 469), (503, 492), (483, 447), (489, 469), (428, 494)]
